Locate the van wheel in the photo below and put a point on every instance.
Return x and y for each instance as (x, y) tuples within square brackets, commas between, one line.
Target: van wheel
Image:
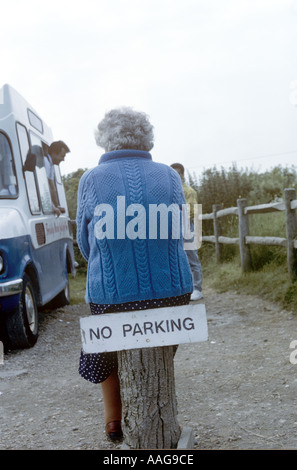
[(22, 323)]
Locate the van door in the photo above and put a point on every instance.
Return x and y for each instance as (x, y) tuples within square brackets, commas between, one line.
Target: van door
[(45, 230)]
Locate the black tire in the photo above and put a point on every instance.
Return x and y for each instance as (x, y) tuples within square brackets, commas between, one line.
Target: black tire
[(22, 323)]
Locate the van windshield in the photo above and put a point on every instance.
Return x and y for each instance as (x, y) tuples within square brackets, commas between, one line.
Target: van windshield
[(8, 182)]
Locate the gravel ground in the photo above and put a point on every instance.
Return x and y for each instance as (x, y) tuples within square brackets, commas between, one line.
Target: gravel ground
[(238, 390)]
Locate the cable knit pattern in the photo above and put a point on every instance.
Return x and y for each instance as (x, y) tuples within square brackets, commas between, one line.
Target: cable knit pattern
[(81, 221), (107, 265), (130, 268), (136, 197), (173, 258), (108, 272)]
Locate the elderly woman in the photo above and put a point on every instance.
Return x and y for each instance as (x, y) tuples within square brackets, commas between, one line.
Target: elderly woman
[(127, 269)]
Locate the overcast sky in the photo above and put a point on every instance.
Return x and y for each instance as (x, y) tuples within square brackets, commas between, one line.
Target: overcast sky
[(216, 77)]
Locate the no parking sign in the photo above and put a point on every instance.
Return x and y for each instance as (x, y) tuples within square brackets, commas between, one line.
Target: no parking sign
[(144, 328)]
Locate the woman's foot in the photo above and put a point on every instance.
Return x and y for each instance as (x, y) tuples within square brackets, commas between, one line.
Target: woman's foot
[(114, 431)]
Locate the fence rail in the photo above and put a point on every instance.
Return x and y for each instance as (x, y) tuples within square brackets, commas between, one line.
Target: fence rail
[(244, 240)]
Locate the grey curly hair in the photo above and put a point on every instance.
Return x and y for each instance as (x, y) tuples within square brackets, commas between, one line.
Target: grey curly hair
[(124, 128)]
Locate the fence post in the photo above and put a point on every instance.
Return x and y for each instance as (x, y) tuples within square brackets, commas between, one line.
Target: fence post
[(243, 230), (291, 230), (1, 353), (217, 231)]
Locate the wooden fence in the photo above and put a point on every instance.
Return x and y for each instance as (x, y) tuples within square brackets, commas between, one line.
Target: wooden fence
[(244, 240)]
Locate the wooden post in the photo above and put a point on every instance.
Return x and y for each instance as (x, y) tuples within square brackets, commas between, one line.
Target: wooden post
[(145, 344), (217, 231), (1, 353), (243, 229), (291, 230), (148, 398)]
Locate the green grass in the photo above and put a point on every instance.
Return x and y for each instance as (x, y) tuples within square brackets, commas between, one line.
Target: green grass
[(271, 281), (77, 288)]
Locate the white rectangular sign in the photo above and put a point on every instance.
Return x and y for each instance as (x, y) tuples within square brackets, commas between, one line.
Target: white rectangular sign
[(144, 328)]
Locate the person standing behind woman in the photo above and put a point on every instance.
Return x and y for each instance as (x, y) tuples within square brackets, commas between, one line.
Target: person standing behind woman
[(195, 264), (127, 270)]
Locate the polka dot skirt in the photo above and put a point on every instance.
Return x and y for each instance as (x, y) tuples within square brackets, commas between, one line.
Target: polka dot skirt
[(97, 367)]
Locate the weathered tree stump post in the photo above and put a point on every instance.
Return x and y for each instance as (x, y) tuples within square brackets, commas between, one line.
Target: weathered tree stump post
[(291, 229), (148, 398), (243, 229)]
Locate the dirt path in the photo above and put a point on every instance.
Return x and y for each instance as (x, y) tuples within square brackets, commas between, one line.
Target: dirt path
[(236, 391)]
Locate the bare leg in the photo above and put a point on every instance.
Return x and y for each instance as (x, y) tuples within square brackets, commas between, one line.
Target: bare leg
[(112, 398)]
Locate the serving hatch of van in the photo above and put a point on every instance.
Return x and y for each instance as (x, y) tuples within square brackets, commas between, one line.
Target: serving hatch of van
[(36, 246)]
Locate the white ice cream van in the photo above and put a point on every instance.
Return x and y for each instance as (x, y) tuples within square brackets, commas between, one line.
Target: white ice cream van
[(36, 246)]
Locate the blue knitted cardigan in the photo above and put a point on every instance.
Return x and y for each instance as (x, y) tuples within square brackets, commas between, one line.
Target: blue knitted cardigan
[(124, 269)]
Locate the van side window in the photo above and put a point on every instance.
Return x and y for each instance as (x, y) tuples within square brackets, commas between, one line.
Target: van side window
[(35, 121), (59, 186), (44, 191), (8, 182), (29, 175)]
